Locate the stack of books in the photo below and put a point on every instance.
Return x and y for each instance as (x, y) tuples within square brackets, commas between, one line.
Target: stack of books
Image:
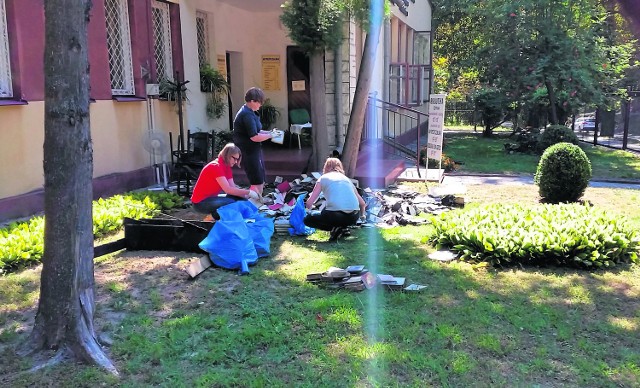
[(281, 226), (391, 282)]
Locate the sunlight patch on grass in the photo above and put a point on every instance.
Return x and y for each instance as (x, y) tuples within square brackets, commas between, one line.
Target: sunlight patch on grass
[(20, 290), (462, 362), (628, 324), (349, 316), (579, 294)]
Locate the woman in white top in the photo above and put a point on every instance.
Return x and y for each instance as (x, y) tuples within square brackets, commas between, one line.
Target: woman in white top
[(343, 204)]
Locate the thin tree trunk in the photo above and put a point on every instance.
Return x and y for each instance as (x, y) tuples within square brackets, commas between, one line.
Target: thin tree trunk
[(552, 102), (64, 321), (319, 132), (361, 95)]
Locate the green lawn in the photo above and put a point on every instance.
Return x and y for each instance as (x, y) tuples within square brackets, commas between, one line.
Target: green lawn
[(482, 155), (471, 326)]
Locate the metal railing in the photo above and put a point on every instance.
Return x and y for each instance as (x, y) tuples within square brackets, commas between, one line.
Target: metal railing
[(402, 129)]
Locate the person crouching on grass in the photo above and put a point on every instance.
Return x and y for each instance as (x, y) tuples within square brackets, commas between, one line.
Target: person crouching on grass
[(343, 205), (215, 187)]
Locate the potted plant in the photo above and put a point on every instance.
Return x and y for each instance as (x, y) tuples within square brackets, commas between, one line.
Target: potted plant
[(216, 86), (169, 89), (269, 115)]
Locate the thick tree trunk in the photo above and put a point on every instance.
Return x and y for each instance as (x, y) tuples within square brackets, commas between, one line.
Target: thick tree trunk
[(319, 132), (552, 102), (64, 321), (361, 95), (631, 10)]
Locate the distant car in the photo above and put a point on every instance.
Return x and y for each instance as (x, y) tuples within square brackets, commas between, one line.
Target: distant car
[(507, 124), (585, 124)]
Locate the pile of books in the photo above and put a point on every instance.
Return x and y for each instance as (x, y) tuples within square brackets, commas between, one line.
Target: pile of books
[(281, 226), (349, 278), (358, 278)]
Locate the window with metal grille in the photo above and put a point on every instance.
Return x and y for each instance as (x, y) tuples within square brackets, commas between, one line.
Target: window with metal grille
[(119, 47), (202, 38), (162, 40), (5, 64)]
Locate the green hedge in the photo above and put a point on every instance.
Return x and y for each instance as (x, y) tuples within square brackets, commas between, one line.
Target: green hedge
[(21, 243), (565, 234)]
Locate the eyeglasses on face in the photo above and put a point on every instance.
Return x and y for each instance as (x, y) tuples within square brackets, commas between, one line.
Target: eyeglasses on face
[(235, 158)]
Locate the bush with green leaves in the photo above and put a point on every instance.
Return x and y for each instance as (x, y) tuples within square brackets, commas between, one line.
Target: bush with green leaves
[(563, 173), (554, 134), (445, 162), (221, 139), (22, 243), (571, 235)]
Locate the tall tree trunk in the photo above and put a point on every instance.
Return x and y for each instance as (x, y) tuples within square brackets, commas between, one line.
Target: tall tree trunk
[(64, 321), (319, 132), (363, 84), (552, 102), (631, 10)]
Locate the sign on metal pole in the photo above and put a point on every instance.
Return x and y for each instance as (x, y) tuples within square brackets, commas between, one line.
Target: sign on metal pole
[(436, 128)]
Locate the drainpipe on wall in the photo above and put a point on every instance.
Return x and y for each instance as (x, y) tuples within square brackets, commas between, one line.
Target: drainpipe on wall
[(386, 61), (337, 67)]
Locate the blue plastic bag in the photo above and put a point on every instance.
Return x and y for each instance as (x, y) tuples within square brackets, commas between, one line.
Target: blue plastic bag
[(229, 243), (261, 231), (296, 219)]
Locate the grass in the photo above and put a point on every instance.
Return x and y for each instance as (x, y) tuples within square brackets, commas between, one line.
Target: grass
[(471, 325), (482, 155)]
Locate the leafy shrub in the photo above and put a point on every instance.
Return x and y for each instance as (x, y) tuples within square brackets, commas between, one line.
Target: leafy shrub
[(221, 139), (554, 134), (527, 141), (563, 173), (564, 234), (22, 243), (447, 164)]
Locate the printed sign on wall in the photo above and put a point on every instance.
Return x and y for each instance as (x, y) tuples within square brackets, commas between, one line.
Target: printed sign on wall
[(271, 72), (298, 86)]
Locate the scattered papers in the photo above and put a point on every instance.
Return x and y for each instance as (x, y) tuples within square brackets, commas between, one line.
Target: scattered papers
[(278, 136), (414, 287), (442, 256)]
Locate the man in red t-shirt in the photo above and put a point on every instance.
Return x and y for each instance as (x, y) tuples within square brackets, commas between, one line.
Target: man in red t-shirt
[(215, 187)]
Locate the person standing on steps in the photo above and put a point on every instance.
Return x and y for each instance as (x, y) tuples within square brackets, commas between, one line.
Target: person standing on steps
[(248, 135), (215, 187)]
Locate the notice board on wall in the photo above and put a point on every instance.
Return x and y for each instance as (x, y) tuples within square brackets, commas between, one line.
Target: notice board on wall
[(271, 72)]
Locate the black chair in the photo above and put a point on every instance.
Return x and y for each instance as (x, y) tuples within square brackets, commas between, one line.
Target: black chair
[(188, 163)]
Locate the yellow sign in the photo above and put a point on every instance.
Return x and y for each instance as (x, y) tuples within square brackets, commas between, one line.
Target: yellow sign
[(222, 65), (271, 72)]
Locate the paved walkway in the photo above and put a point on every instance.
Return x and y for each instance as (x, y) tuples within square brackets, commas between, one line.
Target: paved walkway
[(527, 180)]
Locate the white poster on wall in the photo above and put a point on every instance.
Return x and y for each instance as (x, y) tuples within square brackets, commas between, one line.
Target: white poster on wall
[(436, 126)]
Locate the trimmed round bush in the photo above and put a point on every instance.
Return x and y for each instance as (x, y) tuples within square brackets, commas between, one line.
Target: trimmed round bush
[(554, 134), (563, 173)]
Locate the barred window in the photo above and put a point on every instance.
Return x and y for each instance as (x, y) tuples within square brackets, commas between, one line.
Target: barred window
[(202, 33), (162, 40), (119, 47), (5, 64)]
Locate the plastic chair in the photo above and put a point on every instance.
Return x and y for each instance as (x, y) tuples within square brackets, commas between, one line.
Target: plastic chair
[(299, 119)]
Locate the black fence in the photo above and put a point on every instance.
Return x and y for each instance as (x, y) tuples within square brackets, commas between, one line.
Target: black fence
[(615, 129), (460, 113)]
